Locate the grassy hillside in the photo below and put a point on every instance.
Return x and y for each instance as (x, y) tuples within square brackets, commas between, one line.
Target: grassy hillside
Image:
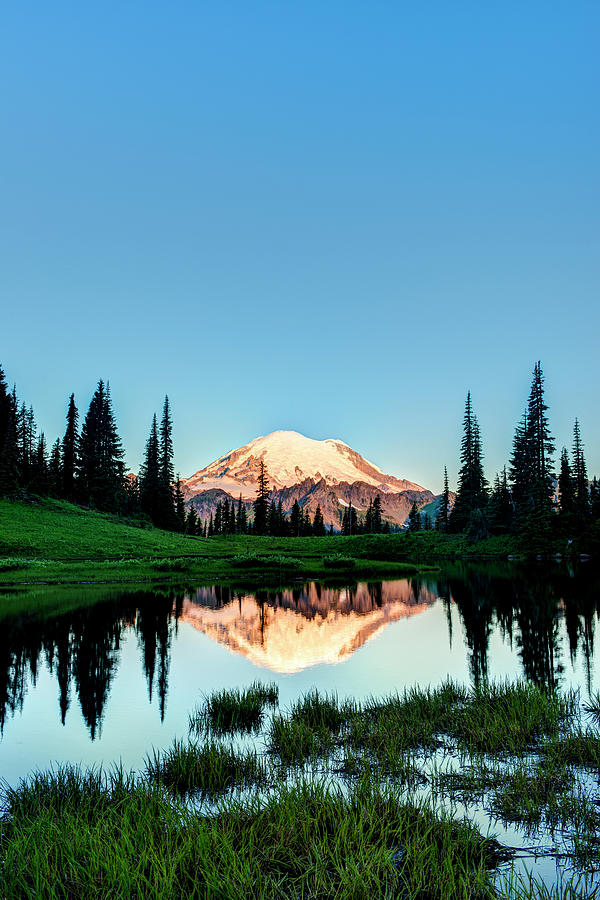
[(52, 542)]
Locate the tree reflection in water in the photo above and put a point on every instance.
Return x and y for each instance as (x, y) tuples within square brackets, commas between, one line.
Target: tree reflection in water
[(82, 648)]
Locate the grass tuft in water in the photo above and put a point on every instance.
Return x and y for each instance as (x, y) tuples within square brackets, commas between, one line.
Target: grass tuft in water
[(228, 711), (207, 768)]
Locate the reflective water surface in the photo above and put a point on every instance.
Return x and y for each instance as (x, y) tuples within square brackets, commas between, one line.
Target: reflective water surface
[(110, 679)]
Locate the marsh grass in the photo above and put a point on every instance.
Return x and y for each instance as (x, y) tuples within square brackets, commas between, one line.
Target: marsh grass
[(95, 839), (208, 768), (228, 711), (329, 811)]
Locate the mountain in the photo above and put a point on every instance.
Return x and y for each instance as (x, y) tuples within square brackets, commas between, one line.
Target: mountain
[(328, 473)]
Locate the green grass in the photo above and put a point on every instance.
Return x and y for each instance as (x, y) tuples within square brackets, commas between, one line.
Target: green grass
[(228, 711), (80, 835), (208, 768), (353, 829), (53, 542)]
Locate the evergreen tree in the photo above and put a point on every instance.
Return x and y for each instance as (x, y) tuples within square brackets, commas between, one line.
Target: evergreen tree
[(40, 479), (295, 519), (225, 516), (500, 509), (55, 470), (566, 491), (9, 468), (26, 444), (70, 452), (318, 524), (261, 503), (531, 471), (369, 518), (150, 476), (218, 520), (166, 504), (595, 499), (414, 518), (426, 522), (131, 487), (272, 519), (376, 525), (241, 521), (441, 522), (101, 467), (211, 527), (471, 495), (191, 522), (580, 479), (349, 520), (179, 505)]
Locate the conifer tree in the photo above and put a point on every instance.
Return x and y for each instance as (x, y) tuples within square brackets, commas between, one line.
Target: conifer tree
[(40, 480), (9, 471), (241, 520), (191, 522), (211, 527), (369, 518), (441, 522), (295, 519), (318, 523), (218, 520), (166, 505), (377, 519), (471, 495), (566, 491), (414, 518), (55, 470), (101, 467), (580, 478), (150, 476), (179, 505), (595, 499), (261, 503), (500, 505), (70, 452)]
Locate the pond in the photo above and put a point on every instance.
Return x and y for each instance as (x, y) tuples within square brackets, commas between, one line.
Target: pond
[(108, 680)]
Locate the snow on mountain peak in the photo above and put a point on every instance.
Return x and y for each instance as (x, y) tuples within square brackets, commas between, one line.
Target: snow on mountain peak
[(290, 458)]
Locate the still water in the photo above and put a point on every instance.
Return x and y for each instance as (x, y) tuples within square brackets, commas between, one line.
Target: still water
[(111, 679)]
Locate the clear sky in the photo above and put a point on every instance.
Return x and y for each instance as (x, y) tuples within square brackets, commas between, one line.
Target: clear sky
[(334, 217)]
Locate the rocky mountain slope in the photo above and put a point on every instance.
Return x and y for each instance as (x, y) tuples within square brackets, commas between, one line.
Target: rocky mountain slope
[(328, 473)]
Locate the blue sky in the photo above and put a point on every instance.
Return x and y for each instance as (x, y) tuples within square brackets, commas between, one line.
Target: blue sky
[(332, 217)]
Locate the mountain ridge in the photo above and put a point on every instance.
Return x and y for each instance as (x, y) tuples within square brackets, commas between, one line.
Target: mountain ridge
[(328, 473)]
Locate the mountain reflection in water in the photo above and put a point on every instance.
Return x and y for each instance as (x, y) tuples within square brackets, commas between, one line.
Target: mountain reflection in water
[(294, 629), (545, 619)]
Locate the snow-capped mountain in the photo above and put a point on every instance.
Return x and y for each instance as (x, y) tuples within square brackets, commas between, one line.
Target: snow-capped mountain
[(291, 458), (328, 473)]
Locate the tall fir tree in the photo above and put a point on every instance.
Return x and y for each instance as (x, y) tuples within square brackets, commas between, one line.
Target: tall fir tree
[(441, 522), (179, 505), (500, 508), (318, 523), (55, 470), (566, 494), (580, 479), (69, 452), (377, 519), (241, 518), (166, 505), (414, 518), (472, 492), (150, 476), (295, 519), (101, 469), (9, 468), (261, 503)]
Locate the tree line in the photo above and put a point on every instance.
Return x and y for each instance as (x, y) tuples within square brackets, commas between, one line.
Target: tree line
[(529, 496), (87, 465)]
